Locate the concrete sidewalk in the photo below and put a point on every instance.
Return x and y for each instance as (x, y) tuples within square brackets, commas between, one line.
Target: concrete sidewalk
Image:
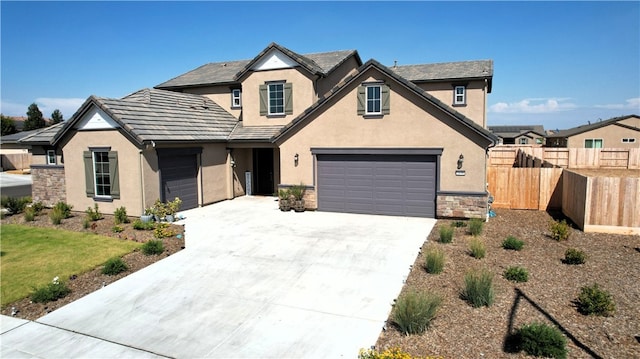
[(13, 185), (252, 282)]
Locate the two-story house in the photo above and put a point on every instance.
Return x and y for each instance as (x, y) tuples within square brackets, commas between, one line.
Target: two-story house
[(362, 138)]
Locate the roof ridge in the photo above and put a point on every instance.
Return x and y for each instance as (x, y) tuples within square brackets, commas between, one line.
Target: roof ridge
[(445, 63)]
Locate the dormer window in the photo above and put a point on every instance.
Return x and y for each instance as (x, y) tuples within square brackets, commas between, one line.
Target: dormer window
[(459, 95), (373, 99), (276, 99), (236, 98)]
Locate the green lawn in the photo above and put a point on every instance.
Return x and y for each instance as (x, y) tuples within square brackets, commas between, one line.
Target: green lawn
[(32, 257)]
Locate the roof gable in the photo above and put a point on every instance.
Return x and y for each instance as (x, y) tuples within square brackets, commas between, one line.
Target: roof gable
[(358, 74)]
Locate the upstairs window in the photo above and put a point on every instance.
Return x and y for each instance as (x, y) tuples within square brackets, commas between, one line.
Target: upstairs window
[(51, 157), (593, 143), (373, 99), (524, 140), (236, 98), (628, 140), (459, 95), (276, 99)]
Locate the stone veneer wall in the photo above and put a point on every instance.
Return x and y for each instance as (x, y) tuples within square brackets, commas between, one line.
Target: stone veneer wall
[(48, 184), (461, 206), (310, 198)]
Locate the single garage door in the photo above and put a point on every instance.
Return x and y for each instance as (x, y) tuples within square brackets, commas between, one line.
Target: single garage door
[(400, 185), (179, 178)]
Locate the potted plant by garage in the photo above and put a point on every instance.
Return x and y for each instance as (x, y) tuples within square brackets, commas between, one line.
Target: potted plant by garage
[(297, 192), (171, 208), (148, 215), (283, 200)]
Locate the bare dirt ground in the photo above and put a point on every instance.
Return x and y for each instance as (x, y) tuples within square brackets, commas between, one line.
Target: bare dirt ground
[(460, 331), (607, 172), (85, 283)]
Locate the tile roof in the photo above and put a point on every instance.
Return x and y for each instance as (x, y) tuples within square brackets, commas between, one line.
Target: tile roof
[(511, 131), (254, 133), (445, 70), (43, 136), (591, 126), (228, 72)]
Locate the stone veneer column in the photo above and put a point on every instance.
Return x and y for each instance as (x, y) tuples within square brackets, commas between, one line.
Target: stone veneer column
[(461, 205), (48, 184)]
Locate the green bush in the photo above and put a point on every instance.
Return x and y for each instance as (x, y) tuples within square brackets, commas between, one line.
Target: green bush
[(574, 256), (37, 207), (477, 248), (434, 261), (50, 292), (446, 234), (117, 229), (560, 230), (478, 288), (512, 243), (391, 353), (94, 214), (56, 215), (120, 215), (414, 311), (114, 266), (63, 208), (143, 226), (153, 247), (542, 340), (595, 301), (29, 214), (86, 223), (163, 230), (475, 226), (15, 205), (516, 274)]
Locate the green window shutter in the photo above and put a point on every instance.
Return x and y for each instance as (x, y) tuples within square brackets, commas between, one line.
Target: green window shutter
[(264, 101), (288, 98), (88, 173), (362, 98), (113, 174), (386, 105)]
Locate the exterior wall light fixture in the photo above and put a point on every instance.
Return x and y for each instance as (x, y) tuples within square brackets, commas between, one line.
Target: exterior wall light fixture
[(460, 161), (295, 159)]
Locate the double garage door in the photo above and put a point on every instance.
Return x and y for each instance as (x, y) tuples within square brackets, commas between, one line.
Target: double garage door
[(400, 185)]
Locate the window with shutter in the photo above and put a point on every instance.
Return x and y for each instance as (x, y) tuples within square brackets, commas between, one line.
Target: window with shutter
[(374, 99), (101, 174)]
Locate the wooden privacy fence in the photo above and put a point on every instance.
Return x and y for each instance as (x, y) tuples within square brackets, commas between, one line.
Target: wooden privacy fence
[(15, 161), (587, 158), (525, 188)]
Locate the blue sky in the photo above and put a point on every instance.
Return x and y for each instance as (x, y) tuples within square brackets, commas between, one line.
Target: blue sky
[(559, 64)]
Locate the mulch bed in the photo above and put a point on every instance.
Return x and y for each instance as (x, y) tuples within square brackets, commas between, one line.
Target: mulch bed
[(460, 331), (84, 283)]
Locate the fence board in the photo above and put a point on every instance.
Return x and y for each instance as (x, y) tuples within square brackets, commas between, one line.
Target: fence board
[(550, 188), (525, 188), (15, 161)]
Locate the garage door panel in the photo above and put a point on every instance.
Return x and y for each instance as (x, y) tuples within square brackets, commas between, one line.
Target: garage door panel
[(179, 175), (377, 184)]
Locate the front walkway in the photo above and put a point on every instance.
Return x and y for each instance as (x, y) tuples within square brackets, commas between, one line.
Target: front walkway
[(252, 282)]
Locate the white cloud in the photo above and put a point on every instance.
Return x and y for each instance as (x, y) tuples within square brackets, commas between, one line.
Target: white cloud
[(631, 104), (533, 105)]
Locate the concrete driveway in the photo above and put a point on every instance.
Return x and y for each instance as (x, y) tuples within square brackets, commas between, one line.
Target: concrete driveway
[(13, 185), (252, 282)]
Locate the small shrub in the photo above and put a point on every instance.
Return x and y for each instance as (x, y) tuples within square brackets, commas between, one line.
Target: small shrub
[(392, 353), (434, 261), (56, 215), (542, 340), (50, 292), (512, 243), (117, 229), (477, 248), (595, 301), (86, 223), (560, 230), (114, 266), (15, 205), (574, 256), (162, 230), (475, 226), (142, 226), (516, 274), (458, 224), (94, 214), (37, 207), (478, 288), (63, 208), (29, 214), (414, 311), (446, 234), (153, 247), (120, 215)]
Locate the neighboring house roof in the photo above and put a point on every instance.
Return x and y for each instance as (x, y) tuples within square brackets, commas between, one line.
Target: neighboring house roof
[(482, 69), (409, 85), (592, 126), (513, 131), (217, 73), (162, 116), (43, 136)]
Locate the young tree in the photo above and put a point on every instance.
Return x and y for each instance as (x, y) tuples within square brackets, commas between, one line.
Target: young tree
[(8, 126), (34, 118), (56, 116)]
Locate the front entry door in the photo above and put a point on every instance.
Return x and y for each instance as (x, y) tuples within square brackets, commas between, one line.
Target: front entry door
[(263, 171)]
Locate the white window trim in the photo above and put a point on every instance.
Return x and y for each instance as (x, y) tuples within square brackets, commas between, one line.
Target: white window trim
[(593, 142), (284, 100), (629, 140), (463, 94), (236, 94), (49, 152), (95, 180), (366, 100), (523, 141)]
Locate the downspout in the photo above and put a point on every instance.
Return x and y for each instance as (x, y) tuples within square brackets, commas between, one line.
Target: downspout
[(142, 182)]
